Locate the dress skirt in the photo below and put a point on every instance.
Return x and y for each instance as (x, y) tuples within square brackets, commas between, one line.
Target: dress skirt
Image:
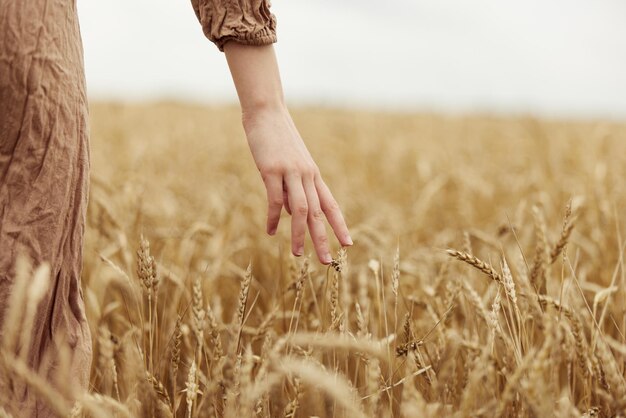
[(44, 187)]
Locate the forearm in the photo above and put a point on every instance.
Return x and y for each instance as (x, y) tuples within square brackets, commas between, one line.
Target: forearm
[(254, 70)]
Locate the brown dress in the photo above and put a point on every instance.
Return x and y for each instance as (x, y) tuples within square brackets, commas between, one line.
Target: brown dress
[(44, 169)]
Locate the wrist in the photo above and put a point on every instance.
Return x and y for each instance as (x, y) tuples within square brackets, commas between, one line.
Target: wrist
[(262, 109), (256, 106)]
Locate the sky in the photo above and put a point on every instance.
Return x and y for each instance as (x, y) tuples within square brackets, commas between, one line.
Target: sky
[(556, 58)]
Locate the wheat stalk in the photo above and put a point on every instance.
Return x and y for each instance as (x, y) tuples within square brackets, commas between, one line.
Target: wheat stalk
[(477, 263)]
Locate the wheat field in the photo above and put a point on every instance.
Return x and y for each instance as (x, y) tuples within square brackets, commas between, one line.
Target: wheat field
[(487, 277)]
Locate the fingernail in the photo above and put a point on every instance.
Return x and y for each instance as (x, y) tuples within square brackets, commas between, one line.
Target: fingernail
[(300, 251), (349, 240), (327, 259), (272, 231)]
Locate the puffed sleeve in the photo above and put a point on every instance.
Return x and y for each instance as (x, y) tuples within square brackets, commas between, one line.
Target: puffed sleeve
[(245, 21)]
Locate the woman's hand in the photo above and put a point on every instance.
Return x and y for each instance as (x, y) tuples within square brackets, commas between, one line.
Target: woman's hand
[(290, 175), (293, 180)]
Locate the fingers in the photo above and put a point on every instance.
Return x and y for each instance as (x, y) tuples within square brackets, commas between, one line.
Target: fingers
[(315, 221), (275, 200), (333, 213), (308, 200), (299, 212)]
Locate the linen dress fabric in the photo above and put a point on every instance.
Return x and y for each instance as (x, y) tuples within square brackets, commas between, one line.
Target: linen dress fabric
[(44, 171)]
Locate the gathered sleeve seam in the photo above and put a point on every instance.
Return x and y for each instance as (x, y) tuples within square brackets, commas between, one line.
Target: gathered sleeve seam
[(264, 36)]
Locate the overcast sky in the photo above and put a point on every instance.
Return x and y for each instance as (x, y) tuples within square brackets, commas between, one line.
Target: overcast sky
[(555, 57)]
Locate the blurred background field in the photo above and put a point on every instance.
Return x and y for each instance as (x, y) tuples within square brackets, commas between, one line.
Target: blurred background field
[(495, 187), (419, 178)]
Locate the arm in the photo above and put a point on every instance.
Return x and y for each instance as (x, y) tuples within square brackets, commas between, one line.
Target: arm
[(291, 177)]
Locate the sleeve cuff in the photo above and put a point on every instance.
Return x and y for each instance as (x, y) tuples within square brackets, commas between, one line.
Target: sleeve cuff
[(265, 36)]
